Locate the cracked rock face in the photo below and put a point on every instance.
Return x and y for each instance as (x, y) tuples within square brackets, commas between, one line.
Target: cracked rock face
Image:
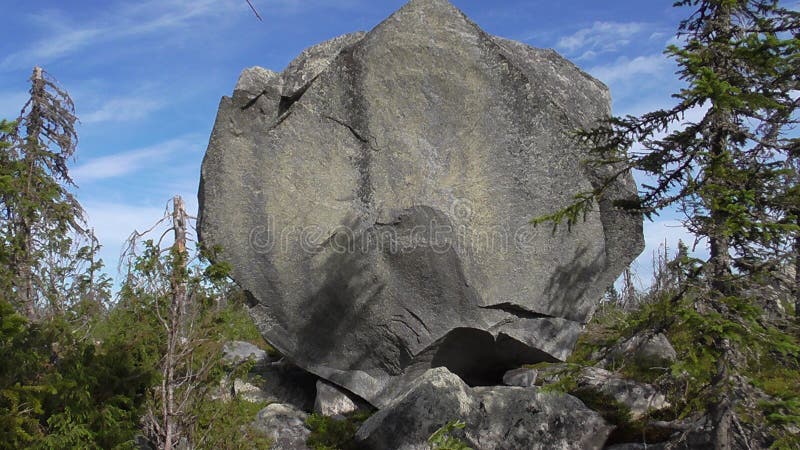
[(374, 199)]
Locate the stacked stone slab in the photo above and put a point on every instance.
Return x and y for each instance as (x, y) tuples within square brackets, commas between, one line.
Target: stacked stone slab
[(374, 200)]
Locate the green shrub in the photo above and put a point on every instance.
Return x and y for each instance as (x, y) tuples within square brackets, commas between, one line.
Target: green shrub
[(443, 439), (328, 433)]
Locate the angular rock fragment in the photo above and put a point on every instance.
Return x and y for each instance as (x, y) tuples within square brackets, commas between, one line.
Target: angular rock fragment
[(374, 200), (333, 402)]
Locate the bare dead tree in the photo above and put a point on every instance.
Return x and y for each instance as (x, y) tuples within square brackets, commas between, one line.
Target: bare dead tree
[(628, 295), (168, 421)]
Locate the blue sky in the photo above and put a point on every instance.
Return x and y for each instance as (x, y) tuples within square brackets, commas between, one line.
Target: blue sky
[(146, 77)]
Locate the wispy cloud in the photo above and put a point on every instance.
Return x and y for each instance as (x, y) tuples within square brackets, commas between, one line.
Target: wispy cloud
[(122, 109), (625, 68), (132, 161), (122, 20), (125, 20), (601, 37)]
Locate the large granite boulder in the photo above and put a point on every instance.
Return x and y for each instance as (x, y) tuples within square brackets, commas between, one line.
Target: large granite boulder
[(374, 200)]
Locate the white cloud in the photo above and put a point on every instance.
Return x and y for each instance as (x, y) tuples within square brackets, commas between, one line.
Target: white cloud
[(601, 37), (120, 20), (122, 109), (625, 68), (120, 164), (124, 20)]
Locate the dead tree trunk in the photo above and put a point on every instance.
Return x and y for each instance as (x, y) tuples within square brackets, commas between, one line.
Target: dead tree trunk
[(176, 328), (24, 223), (628, 290)]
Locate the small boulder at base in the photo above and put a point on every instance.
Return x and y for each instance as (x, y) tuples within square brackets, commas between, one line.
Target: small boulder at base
[(284, 425), (499, 417), (638, 398)]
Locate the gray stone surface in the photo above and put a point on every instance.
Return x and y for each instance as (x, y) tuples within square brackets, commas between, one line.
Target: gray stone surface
[(332, 401), (237, 352), (249, 391), (637, 446), (500, 417), (304, 69), (640, 398), (284, 425), (520, 377), (647, 351), (279, 382), (284, 382), (374, 200)]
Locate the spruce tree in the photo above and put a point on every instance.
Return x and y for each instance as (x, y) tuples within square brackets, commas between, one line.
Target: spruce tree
[(740, 62), (732, 174), (47, 250)]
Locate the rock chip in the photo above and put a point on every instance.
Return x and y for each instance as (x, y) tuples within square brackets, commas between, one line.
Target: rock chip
[(248, 391), (374, 200), (496, 417)]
